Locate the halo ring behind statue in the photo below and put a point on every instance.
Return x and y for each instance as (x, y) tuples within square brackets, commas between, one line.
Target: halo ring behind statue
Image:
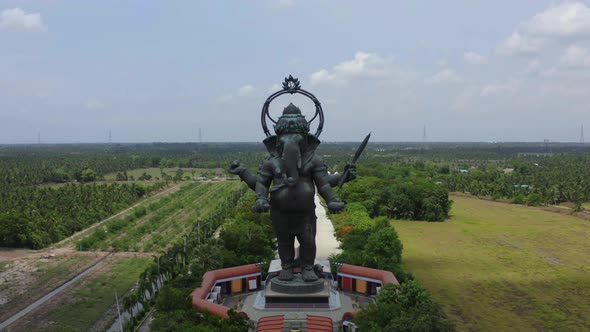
[(291, 85)]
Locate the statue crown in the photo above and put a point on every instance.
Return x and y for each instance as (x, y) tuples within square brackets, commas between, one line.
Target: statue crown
[(292, 121)]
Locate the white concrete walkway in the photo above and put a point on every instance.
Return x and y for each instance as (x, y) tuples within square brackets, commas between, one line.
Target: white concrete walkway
[(325, 240)]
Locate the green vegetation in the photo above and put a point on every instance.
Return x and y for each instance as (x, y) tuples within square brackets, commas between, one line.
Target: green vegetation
[(90, 300), (181, 268), (503, 267), (529, 180), (38, 216), (160, 174), (248, 236), (155, 227), (518, 266), (405, 307), (400, 192), (374, 243)]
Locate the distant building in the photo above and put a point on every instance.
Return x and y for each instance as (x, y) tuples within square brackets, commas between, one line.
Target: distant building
[(464, 171), (508, 170)]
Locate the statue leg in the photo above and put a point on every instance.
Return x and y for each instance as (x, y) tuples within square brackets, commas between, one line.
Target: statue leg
[(285, 238), (286, 249), (307, 249)]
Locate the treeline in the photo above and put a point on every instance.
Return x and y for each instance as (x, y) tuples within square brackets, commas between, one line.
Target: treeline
[(528, 180), (400, 192), (35, 217)]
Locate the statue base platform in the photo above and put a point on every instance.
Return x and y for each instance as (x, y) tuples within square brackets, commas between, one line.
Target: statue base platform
[(298, 291)]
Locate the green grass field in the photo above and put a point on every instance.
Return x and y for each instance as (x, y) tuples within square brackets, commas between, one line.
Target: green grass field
[(165, 220), (502, 267), (87, 302)]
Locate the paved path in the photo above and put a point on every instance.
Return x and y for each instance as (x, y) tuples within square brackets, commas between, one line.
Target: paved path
[(50, 295), (325, 240)]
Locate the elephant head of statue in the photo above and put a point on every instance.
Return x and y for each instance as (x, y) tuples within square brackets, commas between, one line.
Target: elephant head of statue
[(292, 142)]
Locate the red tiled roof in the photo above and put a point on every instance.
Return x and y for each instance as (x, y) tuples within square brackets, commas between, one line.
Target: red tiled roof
[(319, 324), (385, 276), (209, 279), (271, 324)]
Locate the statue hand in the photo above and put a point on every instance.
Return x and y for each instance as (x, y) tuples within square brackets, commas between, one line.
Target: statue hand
[(237, 167), (261, 205), (336, 206), (351, 174)]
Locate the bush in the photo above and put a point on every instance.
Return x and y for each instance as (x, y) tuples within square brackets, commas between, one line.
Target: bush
[(406, 307)]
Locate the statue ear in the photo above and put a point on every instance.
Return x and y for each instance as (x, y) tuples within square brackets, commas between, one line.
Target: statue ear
[(271, 145), (312, 142)]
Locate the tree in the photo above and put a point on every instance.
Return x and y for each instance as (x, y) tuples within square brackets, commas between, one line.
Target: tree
[(179, 174), (406, 307), (88, 175), (246, 242)]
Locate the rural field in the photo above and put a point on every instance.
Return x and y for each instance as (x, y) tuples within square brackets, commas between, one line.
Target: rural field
[(136, 236), (501, 267), (154, 226), (90, 298)]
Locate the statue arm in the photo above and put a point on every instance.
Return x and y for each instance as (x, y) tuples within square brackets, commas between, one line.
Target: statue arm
[(349, 170), (322, 182), (263, 182)]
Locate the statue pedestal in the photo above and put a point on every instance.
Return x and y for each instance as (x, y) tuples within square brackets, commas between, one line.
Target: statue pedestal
[(297, 293)]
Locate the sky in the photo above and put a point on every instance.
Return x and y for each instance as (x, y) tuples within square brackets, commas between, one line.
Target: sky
[(157, 71)]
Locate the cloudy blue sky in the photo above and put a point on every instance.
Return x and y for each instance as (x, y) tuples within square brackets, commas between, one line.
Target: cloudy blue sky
[(160, 70)]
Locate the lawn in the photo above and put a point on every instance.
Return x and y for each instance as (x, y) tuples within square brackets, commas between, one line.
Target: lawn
[(500, 267)]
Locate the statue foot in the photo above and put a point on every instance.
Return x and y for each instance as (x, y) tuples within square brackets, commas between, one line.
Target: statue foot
[(286, 275), (336, 206), (309, 274)]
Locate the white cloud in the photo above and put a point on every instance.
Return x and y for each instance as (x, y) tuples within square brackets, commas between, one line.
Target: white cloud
[(246, 90), (575, 56), (445, 76), (16, 19), (564, 20), (363, 65), (274, 88), (243, 91), (94, 105), (567, 20), (473, 58), (519, 44)]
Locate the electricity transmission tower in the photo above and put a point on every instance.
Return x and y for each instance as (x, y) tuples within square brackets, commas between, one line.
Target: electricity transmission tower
[(110, 137), (424, 134), (200, 136), (582, 134)]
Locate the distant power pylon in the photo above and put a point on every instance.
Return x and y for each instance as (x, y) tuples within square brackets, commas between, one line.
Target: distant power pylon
[(110, 137), (200, 136), (582, 134), (424, 134)]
